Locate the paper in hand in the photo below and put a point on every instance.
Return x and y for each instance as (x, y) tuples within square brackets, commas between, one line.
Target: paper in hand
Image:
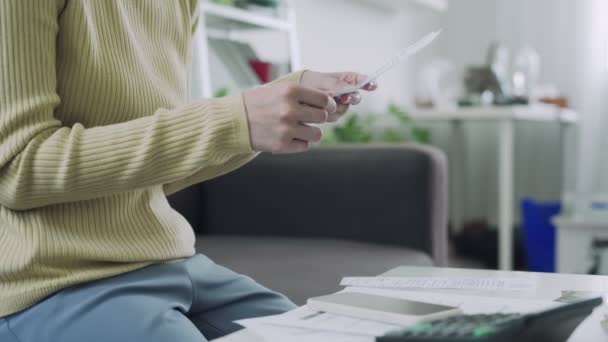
[(391, 63)]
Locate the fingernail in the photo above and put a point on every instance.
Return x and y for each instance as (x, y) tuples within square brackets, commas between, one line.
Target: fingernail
[(332, 106)]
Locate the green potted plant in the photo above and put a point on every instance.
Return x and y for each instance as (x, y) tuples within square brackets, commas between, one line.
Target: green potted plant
[(358, 128)]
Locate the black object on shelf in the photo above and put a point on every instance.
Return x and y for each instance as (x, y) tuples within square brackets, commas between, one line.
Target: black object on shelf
[(477, 240)]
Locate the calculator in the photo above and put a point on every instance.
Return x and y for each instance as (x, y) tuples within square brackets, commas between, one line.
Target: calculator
[(555, 324)]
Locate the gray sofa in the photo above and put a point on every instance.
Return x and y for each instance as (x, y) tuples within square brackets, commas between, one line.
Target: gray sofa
[(298, 223)]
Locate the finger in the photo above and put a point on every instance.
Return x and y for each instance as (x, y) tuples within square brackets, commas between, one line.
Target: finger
[(316, 98), (352, 78), (343, 99), (310, 114), (371, 86), (334, 117), (342, 109), (297, 146), (307, 133), (348, 99)]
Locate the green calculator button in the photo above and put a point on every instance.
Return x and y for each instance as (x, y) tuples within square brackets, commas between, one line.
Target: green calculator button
[(418, 328), (483, 331)]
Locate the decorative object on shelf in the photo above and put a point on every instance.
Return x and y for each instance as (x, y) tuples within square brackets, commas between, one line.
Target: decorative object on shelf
[(526, 73), (498, 59), (362, 129), (234, 56), (262, 69), (223, 20), (480, 79), (437, 84), (499, 84)]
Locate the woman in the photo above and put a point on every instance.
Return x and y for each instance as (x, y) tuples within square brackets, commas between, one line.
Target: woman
[(96, 129)]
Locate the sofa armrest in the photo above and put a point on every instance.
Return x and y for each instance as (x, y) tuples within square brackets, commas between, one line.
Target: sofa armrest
[(386, 194)]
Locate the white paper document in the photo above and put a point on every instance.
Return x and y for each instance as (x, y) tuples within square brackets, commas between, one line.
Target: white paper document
[(469, 304), (272, 333), (461, 283), (310, 320), (391, 63), (304, 324)]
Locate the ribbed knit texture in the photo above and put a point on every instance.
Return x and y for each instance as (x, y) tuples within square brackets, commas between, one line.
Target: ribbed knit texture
[(95, 129)]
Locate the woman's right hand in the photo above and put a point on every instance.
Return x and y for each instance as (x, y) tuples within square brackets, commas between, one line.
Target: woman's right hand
[(279, 115)]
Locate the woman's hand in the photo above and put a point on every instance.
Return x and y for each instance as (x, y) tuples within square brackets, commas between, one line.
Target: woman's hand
[(332, 82), (278, 115)]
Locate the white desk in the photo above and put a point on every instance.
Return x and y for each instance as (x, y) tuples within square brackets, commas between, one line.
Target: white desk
[(505, 117), (550, 287), (574, 237)]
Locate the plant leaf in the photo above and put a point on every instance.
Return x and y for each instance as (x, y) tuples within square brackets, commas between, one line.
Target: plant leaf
[(399, 113), (391, 136), (421, 135)]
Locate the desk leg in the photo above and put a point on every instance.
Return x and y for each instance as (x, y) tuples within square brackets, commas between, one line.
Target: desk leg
[(573, 246), (457, 183), (505, 195), (567, 137)]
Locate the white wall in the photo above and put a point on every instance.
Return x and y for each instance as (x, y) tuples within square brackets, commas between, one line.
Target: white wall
[(341, 35), (346, 35), (554, 28)]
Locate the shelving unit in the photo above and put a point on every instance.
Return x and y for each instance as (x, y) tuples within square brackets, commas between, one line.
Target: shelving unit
[(218, 20), (505, 117), (398, 5)]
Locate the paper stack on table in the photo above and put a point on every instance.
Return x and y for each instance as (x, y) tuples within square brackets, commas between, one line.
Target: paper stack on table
[(460, 283), (304, 324)]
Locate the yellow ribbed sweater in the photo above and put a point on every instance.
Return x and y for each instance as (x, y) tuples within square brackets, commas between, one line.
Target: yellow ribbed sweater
[(96, 128)]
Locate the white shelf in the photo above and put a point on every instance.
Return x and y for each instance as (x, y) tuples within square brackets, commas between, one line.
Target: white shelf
[(225, 22), (533, 113), (400, 5), (226, 17)]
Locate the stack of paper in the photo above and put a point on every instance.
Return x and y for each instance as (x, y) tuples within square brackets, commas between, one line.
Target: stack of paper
[(304, 324), (460, 283)]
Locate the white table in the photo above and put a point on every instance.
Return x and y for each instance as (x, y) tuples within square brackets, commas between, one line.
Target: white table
[(505, 117), (574, 237), (550, 286)]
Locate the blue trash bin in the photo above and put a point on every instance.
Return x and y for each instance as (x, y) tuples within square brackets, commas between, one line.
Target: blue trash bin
[(539, 234)]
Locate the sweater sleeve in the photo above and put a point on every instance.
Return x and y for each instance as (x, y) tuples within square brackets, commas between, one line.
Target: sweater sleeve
[(43, 162), (234, 163)]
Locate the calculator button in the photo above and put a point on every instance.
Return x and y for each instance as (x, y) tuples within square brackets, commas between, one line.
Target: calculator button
[(451, 330), (419, 328), (483, 331)]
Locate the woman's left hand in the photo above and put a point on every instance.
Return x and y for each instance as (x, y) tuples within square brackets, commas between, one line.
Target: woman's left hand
[(333, 82)]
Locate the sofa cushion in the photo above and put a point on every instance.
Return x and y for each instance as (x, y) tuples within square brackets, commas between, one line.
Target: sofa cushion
[(302, 268), (384, 187)]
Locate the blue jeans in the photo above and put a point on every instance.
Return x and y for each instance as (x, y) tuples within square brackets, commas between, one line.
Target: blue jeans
[(186, 301)]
